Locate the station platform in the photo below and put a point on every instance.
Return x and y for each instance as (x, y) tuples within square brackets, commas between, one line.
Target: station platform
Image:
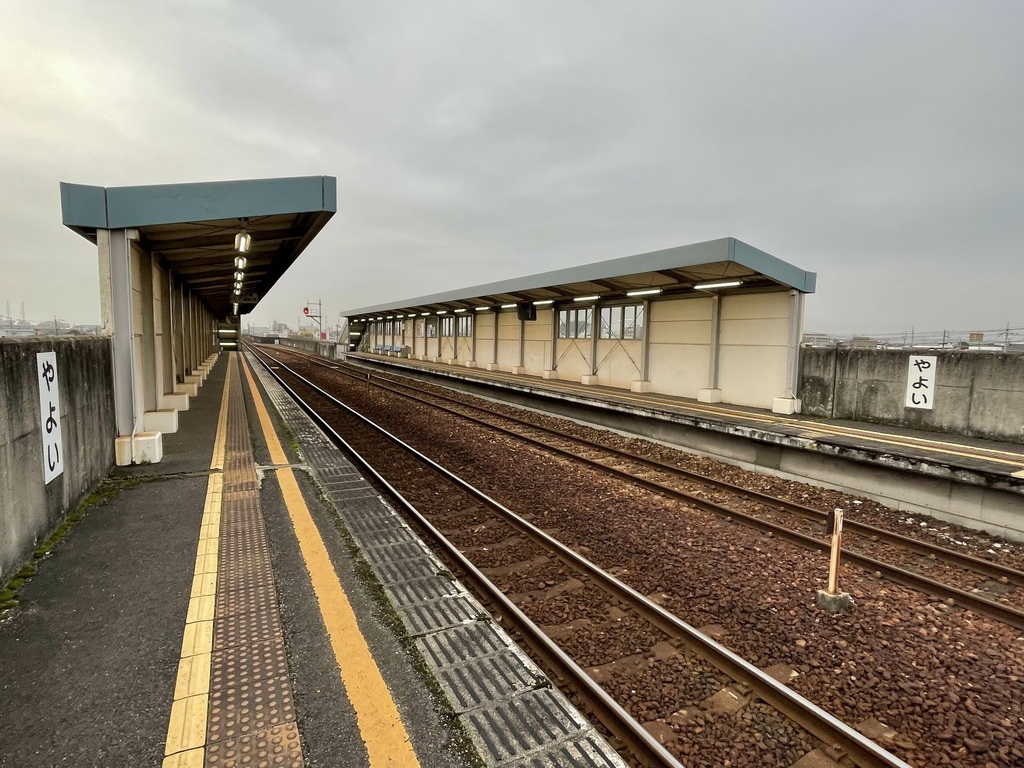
[(251, 600), (1004, 462), (974, 482)]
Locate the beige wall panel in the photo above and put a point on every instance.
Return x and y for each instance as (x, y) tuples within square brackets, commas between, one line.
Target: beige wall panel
[(539, 329), (752, 376), (679, 369), (573, 358), (465, 351), (484, 322), (508, 353), (447, 347), (770, 332), (536, 355), (680, 332), (756, 306), (618, 362), (681, 309), (508, 326)]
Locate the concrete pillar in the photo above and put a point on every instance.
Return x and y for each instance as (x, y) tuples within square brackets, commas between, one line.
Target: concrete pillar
[(520, 367), (595, 331), (493, 366), (551, 372), (122, 308), (177, 329), (713, 394), (472, 344), (789, 403), (643, 384)]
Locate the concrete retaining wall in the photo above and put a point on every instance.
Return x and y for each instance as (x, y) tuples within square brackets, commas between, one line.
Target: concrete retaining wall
[(30, 509), (977, 394)]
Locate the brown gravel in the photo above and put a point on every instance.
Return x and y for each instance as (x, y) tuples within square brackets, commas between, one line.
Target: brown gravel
[(948, 682)]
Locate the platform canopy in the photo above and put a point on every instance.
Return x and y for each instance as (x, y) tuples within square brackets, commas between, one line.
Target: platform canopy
[(191, 228), (674, 271)]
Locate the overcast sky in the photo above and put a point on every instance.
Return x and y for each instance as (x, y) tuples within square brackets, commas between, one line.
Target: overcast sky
[(878, 144)]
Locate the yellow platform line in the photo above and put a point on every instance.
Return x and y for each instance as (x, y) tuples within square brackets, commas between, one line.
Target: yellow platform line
[(187, 726), (381, 726)]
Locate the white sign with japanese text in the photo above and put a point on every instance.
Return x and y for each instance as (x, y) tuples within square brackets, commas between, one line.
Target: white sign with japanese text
[(49, 415), (921, 381)]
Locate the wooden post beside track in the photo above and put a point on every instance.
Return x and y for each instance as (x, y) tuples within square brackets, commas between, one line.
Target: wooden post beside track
[(831, 599)]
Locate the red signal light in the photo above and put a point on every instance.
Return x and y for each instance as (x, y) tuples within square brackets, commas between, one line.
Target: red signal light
[(305, 310)]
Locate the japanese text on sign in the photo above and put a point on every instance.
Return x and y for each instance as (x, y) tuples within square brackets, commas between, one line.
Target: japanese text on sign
[(921, 381), (49, 415)]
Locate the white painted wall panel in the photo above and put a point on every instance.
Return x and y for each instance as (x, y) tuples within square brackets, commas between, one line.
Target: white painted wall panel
[(573, 358), (618, 362)]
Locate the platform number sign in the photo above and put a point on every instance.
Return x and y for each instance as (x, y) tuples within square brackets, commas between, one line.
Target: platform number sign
[(921, 381), (49, 415)]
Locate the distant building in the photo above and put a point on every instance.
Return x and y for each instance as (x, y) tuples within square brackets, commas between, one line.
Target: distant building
[(811, 339)]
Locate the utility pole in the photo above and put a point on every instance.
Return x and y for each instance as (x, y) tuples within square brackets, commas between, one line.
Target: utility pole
[(317, 316), (1006, 338), (944, 339)]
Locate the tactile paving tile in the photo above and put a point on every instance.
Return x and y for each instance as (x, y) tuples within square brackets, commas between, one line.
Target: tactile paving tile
[(279, 747), (244, 580), (430, 617), (258, 599), (250, 707), (244, 628), (464, 643), (488, 680), (386, 537), (523, 726), (586, 751), (423, 590), (405, 570), (234, 666), (406, 550)]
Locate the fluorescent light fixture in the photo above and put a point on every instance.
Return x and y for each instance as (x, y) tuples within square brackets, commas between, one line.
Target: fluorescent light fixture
[(229, 344), (442, 311), (243, 241), (644, 292), (425, 314), (238, 291), (227, 330), (391, 317), (508, 306), (460, 310), (234, 309), (712, 286), (482, 309), (542, 302), (586, 298), (354, 333), (240, 262), (239, 276), (237, 286)]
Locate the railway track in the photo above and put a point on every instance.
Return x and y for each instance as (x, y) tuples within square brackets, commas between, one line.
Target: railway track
[(955, 576), (460, 519)]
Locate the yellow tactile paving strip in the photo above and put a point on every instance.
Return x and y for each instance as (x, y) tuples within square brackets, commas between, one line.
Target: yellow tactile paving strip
[(381, 726), (232, 700)]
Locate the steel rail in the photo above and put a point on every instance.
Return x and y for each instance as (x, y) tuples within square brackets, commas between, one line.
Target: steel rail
[(608, 711), (818, 722), (969, 562), (1005, 613)]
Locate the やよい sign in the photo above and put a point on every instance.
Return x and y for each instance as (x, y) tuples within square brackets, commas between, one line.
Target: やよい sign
[(49, 415), (921, 381)]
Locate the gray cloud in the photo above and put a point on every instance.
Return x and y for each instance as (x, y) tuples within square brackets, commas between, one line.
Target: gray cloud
[(875, 143)]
